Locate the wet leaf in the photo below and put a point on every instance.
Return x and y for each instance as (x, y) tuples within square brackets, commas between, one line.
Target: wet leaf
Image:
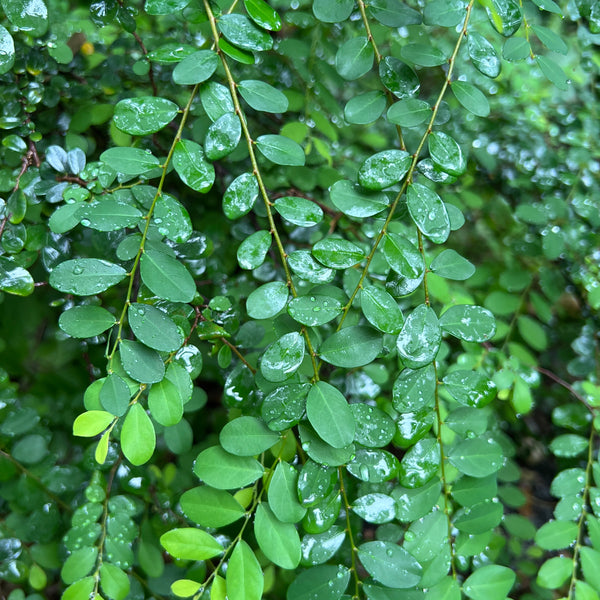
[(267, 300), (420, 463), (403, 256), (334, 11), (477, 457), (306, 267), (263, 97), (446, 153), (263, 15), (321, 451), (337, 253), (354, 58), (314, 310), (428, 212), (172, 219), (479, 518), (398, 78), (141, 363), (326, 582), (374, 428), (330, 415), (420, 337), (284, 406), (196, 67), (318, 548), (381, 310), (390, 564), (451, 265), (154, 328), (423, 55), (222, 137), (283, 357), (144, 115), (470, 388), (375, 508), (414, 389), (30, 16), (108, 214), (483, 55), (384, 169), (242, 32), (194, 171), (414, 503), (129, 161), (365, 108), (409, 112), (18, 281), (281, 150), (469, 323), (504, 15), (283, 498), (85, 276), (166, 277), (240, 196), (373, 465), (355, 202), (299, 211), (351, 347), (553, 72), (216, 100), (7, 51)]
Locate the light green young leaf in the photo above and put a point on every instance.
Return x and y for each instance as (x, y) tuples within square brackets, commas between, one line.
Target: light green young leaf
[(490, 582), (210, 507), (244, 576), (189, 543), (138, 438), (279, 541), (91, 423), (224, 471), (114, 582)]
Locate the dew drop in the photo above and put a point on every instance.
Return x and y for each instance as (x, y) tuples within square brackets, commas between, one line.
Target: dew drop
[(77, 270)]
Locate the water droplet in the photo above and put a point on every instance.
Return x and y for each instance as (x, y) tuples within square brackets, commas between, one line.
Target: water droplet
[(409, 536), (77, 270), (85, 222), (389, 552)]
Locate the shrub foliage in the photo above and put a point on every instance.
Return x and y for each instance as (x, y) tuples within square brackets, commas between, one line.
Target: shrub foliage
[(299, 299)]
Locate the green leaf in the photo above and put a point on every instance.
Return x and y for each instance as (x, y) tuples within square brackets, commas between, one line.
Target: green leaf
[(263, 15), (114, 582), (242, 56), (279, 541), (471, 98), (337, 253), (569, 445), (384, 169), (375, 508), (85, 276), (427, 538), (516, 49), (584, 591), (321, 451), (394, 13), (409, 112), (144, 114), (351, 347), (374, 428), (390, 564), (154, 328), (284, 406), (420, 463), (532, 332), (414, 390), (7, 51), (166, 277), (172, 219), (241, 32), (589, 564), (469, 323), (85, 321), (252, 251), (446, 153), (365, 108), (554, 572), (194, 171), (267, 300), (262, 97), (504, 15), (423, 55), (224, 471), (381, 309), (17, 280), (281, 150), (114, 395), (138, 438), (299, 211), (325, 582), (216, 100), (247, 436), (428, 212), (196, 67), (332, 11), (398, 78), (30, 16), (451, 265), (403, 256), (244, 576), (556, 535), (164, 7), (318, 548), (483, 55), (108, 214), (314, 310), (355, 202), (282, 495), (169, 53), (79, 564), (210, 507), (283, 357), (129, 161), (223, 136), (165, 403), (92, 423), (84, 588), (189, 543), (140, 362), (444, 13), (490, 582), (420, 337), (548, 5), (306, 267), (470, 388), (477, 457), (412, 504), (330, 415), (479, 518), (240, 196), (373, 466), (354, 58)]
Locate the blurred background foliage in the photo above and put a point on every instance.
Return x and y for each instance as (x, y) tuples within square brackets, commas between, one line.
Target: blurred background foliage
[(531, 203)]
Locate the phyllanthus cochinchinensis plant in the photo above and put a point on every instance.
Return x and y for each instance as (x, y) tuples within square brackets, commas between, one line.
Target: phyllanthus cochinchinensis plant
[(310, 265)]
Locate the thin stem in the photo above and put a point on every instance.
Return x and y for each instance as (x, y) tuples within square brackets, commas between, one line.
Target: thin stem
[(235, 350), (353, 548), (257, 174)]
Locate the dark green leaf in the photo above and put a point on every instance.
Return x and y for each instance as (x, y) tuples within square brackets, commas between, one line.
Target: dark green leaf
[(337, 253), (409, 112), (413, 390), (423, 55), (471, 98), (154, 328), (354, 202), (479, 518), (394, 13), (108, 214), (172, 219), (403, 256), (267, 300), (332, 11), (18, 281), (129, 161), (354, 58), (216, 100), (490, 582), (420, 337), (322, 452), (247, 436), (281, 150), (263, 15), (164, 7), (504, 15), (141, 363), (165, 403), (166, 277), (27, 15), (283, 357), (299, 211), (351, 347), (222, 137), (381, 310), (196, 67), (446, 153), (483, 55), (428, 212), (373, 465), (420, 463), (365, 108), (242, 32), (85, 321), (451, 265), (384, 169), (188, 160), (284, 406), (240, 196), (390, 564), (398, 78), (242, 56), (325, 582), (330, 415), (477, 457), (444, 13), (7, 51), (516, 49), (469, 323), (85, 276), (553, 72), (314, 310), (306, 267), (262, 96), (470, 388), (144, 114)]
